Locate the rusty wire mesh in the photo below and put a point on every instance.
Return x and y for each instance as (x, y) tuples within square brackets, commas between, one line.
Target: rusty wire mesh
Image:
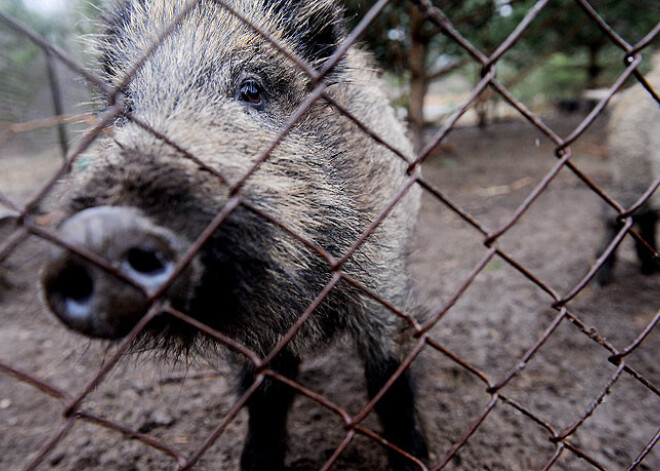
[(71, 402)]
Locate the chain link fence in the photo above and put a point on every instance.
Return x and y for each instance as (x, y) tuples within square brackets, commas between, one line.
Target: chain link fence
[(72, 405)]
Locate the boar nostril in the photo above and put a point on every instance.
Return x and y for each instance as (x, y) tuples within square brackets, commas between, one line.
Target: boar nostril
[(146, 262), (75, 288), (74, 283), (149, 267)]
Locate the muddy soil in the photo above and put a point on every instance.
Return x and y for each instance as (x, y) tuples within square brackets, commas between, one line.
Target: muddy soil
[(488, 173)]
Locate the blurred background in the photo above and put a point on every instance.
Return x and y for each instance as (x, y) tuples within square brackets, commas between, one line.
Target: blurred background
[(484, 170), (562, 63)]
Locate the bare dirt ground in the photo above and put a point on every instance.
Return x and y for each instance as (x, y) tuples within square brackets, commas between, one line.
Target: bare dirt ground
[(488, 173)]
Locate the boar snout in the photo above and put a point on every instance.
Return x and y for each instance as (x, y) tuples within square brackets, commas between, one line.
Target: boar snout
[(93, 300)]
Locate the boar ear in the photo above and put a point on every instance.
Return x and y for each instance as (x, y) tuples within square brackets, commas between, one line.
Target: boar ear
[(314, 27), (114, 21)]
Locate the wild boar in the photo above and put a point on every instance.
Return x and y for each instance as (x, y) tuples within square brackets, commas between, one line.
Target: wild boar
[(633, 142), (220, 90)]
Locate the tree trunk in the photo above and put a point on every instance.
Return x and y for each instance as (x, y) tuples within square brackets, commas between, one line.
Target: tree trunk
[(481, 108), (418, 77), (593, 69)]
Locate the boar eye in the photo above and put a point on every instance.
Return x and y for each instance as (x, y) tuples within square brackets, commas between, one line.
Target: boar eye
[(252, 93)]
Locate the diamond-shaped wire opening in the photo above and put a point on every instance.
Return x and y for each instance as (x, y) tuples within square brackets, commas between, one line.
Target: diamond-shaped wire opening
[(490, 329), (554, 384), (97, 444), (30, 414), (497, 440), (630, 398), (559, 236)]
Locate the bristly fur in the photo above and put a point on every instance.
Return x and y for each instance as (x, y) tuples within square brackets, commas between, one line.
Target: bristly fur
[(312, 29), (193, 74), (326, 180)]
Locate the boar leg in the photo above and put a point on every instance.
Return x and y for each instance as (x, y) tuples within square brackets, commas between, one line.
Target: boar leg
[(266, 442), (396, 410), (606, 272), (647, 224)]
